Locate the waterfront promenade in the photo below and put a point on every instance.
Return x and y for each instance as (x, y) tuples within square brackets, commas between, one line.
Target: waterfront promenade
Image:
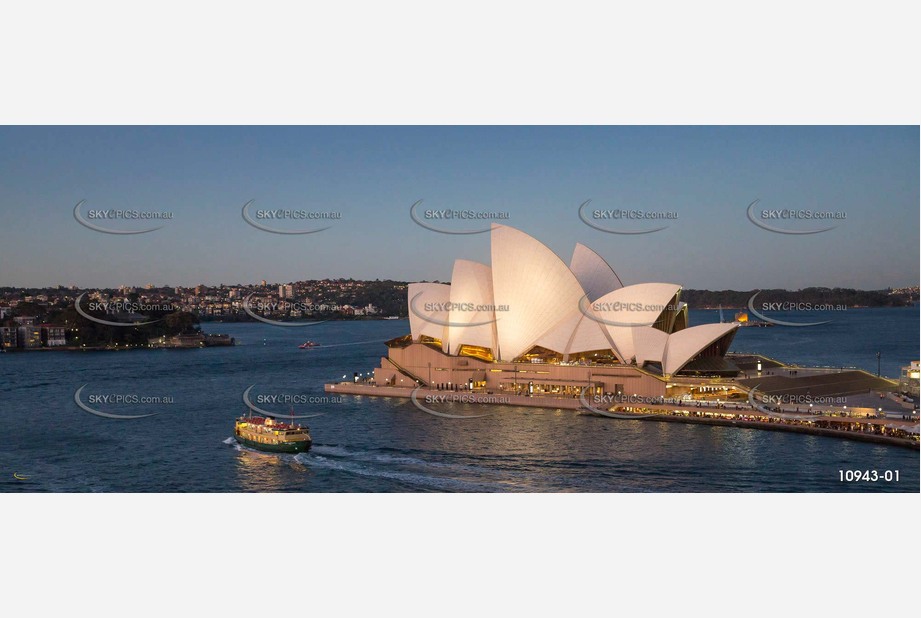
[(824, 421)]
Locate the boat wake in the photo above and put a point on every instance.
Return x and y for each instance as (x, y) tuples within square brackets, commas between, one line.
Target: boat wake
[(437, 476), (342, 345), (407, 460), (339, 451)]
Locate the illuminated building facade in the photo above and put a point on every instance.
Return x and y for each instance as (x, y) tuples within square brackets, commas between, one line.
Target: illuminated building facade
[(531, 324)]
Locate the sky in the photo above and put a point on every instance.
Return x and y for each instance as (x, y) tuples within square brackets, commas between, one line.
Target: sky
[(540, 176)]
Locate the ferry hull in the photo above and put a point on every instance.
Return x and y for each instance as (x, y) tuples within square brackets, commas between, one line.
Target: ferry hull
[(288, 447)]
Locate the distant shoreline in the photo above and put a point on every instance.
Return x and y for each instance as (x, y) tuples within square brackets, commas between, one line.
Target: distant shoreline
[(307, 320)]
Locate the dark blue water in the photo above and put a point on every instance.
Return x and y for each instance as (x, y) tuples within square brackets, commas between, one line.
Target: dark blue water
[(850, 339), (384, 445)]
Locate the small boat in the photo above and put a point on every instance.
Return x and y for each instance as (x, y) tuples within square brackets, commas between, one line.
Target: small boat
[(742, 320), (268, 434), (308, 344)]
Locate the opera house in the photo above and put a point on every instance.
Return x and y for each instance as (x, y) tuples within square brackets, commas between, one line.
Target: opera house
[(530, 324)]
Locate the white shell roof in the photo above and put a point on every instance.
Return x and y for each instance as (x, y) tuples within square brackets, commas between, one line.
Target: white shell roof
[(630, 307), (575, 333), (649, 344), (536, 286), (688, 343), (528, 297), (471, 289), (431, 322), (594, 274), (674, 351)]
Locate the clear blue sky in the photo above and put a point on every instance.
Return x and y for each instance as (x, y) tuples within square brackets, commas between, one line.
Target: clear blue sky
[(539, 175)]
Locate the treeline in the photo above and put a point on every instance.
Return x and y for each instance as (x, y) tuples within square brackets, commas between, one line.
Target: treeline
[(698, 299)]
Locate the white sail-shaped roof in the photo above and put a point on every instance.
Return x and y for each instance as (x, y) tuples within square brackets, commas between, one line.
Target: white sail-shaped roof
[(534, 284), (529, 297), (472, 320), (588, 335), (576, 333), (627, 308), (557, 337), (674, 351), (594, 274), (649, 344), (689, 342), (428, 310)]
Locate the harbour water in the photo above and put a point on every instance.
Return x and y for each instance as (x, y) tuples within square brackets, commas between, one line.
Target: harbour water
[(366, 444)]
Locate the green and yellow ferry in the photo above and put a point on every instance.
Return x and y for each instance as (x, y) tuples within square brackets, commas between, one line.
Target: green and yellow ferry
[(268, 434)]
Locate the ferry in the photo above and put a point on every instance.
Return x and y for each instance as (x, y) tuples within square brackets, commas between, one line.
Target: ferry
[(268, 434), (308, 344)]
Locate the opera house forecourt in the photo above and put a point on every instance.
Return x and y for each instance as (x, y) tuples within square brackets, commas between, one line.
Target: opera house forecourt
[(531, 330)]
